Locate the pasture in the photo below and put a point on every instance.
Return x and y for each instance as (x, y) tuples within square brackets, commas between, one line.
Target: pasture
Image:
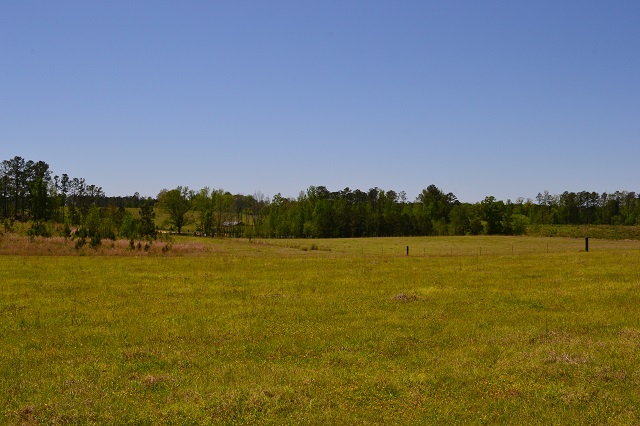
[(463, 330)]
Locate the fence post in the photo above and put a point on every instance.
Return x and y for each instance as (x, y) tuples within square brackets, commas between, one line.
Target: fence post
[(586, 244)]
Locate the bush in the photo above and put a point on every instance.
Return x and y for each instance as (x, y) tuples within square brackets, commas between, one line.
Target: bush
[(81, 242), (66, 231), (95, 241), (7, 224), (39, 229), (519, 224), (475, 226)]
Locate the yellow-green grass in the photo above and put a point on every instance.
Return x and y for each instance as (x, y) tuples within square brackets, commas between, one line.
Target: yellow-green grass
[(468, 330), (453, 246), (614, 232)]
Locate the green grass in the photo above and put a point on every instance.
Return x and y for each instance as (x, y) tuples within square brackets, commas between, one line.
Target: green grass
[(463, 330), (582, 231)]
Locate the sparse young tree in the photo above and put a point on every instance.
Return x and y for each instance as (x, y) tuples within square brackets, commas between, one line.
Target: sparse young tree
[(5, 192), (39, 180), (203, 204), (147, 225), (16, 171)]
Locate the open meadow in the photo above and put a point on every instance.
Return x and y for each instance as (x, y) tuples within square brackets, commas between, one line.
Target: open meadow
[(462, 330)]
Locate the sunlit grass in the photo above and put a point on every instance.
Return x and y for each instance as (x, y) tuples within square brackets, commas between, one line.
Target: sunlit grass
[(463, 330), (454, 246)]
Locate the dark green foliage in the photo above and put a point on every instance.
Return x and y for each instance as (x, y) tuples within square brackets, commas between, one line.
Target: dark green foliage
[(321, 213), (93, 221), (66, 232), (39, 180), (475, 226), (7, 224), (95, 241), (492, 214), (99, 224), (129, 227), (81, 241), (143, 227), (177, 203), (519, 224), (39, 229), (147, 225), (29, 193)]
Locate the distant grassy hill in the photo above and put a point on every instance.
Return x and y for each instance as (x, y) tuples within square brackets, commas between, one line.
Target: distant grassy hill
[(582, 231)]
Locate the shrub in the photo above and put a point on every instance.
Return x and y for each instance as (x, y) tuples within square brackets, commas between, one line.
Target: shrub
[(519, 224), (66, 231), (39, 229), (95, 241), (8, 224), (81, 242)]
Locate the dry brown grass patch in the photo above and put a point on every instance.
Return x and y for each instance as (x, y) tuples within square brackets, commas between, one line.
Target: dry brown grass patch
[(565, 358), (13, 244), (27, 413)]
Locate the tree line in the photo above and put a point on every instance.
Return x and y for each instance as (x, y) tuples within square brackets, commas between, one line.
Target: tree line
[(30, 192), (320, 213)]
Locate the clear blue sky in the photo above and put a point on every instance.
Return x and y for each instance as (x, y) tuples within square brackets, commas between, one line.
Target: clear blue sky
[(504, 98)]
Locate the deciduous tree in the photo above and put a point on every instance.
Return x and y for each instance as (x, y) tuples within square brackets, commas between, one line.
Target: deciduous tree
[(177, 203)]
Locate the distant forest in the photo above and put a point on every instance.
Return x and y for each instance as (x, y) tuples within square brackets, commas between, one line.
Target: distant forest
[(30, 192)]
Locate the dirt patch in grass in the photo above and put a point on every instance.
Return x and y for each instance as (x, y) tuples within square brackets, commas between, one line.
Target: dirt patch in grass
[(150, 380), (27, 413), (406, 298), (565, 358)]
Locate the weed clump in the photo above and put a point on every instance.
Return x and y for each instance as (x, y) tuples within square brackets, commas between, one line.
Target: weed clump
[(27, 413), (405, 298)]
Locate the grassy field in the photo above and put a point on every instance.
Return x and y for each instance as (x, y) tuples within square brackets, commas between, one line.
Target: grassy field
[(463, 330)]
